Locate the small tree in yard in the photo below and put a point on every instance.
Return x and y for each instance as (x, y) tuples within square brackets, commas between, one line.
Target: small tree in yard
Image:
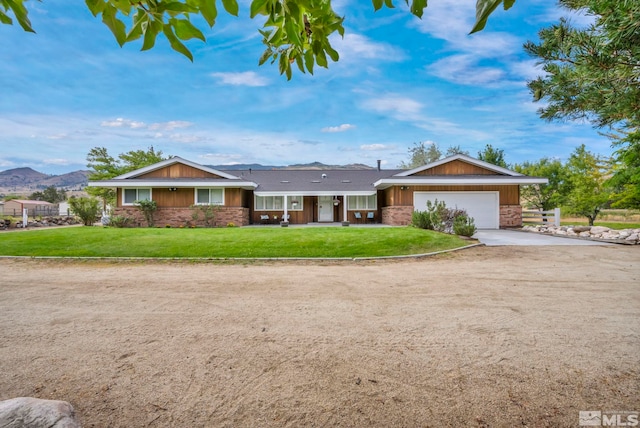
[(85, 208), (587, 177), (147, 207)]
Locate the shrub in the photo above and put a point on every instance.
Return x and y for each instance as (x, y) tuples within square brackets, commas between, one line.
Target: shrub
[(148, 208), (85, 208), (464, 225), (442, 219), (231, 224), (421, 220), (119, 221), (208, 213)]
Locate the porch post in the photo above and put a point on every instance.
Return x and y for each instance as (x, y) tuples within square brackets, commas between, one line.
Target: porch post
[(286, 211), (344, 208)]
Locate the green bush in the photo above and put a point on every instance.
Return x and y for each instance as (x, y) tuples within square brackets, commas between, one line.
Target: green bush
[(119, 221), (148, 208), (463, 225), (85, 208), (421, 220), (442, 219)]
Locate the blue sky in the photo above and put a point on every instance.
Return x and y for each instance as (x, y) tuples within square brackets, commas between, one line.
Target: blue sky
[(400, 80)]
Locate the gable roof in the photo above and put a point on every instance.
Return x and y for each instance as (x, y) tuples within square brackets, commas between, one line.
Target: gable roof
[(133, 179), (463, 158), (172, 161)]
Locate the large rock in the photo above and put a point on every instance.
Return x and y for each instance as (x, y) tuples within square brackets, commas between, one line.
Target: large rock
[(28, 412), (597, 230)]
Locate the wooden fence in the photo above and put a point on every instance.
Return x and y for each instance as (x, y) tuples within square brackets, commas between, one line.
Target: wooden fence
[(541, 217)]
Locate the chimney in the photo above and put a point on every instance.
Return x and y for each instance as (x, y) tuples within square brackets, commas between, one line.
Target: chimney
[(379, 162)]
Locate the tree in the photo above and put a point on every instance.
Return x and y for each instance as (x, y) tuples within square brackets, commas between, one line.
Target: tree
[(589, 192), (85, 208), (593, 74), (492, 156), (422, 154), (49, 194), (456, 150), (103, 166), (294, 31), (545, 197)]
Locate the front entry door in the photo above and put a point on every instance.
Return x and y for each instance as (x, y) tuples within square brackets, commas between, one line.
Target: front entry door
[(325, 208)]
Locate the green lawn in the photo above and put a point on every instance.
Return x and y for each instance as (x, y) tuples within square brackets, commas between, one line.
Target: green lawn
[(226, 242)]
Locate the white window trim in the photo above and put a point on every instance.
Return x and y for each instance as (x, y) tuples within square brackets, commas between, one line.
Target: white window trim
[(125, 204), (299, 198), (367, 203), (195, 195)]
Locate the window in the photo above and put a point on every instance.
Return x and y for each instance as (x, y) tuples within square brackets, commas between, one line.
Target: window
[(362, 202), (209, 196), (130, 196), (276, 203)]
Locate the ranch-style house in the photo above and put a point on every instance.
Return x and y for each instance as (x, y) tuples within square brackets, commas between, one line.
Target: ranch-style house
[(490, 194)]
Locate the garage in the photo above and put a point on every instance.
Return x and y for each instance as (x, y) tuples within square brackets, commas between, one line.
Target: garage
[(484, 207)]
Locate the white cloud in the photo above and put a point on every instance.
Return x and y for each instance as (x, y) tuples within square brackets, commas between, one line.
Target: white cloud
[(529, 69), (377, 147), (169, 126), (395, 104), (451, 20), (465, 70), (123, 123), (222, 158), (56, 162), (247, 78), (359, 47), (342, 128)]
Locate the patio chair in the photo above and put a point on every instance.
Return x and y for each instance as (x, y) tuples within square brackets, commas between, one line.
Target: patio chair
[(371, 216), (358, 216), (264, 218)]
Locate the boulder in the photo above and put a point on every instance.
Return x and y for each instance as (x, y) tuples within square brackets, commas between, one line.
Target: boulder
[(32, 412), (597, 230), (633, 237), (580, 229)]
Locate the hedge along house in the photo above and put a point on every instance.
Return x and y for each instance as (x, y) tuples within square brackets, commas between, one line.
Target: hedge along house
[(490, 194)]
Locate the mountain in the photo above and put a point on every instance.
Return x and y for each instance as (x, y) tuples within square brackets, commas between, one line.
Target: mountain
[(28, 180)]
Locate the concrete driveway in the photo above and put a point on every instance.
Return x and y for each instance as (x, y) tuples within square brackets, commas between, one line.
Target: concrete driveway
[(518, 237)]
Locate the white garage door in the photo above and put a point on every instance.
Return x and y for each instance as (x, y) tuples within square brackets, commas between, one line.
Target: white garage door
[(484, 207)]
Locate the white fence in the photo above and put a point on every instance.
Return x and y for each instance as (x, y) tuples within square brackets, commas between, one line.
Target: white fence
[(542, 217)]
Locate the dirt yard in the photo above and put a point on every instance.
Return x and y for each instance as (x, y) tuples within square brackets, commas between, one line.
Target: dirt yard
[(490, 336)]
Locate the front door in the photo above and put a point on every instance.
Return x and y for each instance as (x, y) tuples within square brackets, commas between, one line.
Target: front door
[(325, 208)]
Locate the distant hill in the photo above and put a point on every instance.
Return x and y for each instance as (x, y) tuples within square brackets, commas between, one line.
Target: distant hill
[(28, 180)]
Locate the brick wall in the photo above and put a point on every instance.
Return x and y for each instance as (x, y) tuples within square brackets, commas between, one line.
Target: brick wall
[(397, 215), (510, 216), (176, 217)]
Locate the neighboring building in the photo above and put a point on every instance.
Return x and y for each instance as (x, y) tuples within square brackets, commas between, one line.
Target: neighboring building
[(14, 208), (490, 194)]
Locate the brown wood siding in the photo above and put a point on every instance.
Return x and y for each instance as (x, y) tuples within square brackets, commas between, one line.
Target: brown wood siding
[(457, 167), (185, 197), (509, 195), (179, 198), (178, 170), (233, 197)]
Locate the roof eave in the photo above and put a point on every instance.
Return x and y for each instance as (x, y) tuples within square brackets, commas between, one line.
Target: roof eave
[(128, 184), (385, 183)]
